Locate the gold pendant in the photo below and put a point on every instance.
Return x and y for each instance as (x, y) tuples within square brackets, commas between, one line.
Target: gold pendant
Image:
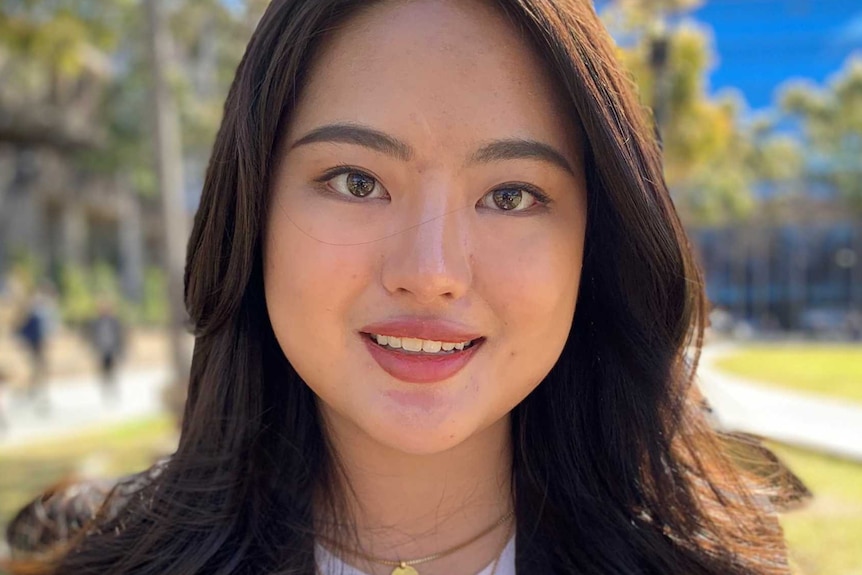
[(404, 569)]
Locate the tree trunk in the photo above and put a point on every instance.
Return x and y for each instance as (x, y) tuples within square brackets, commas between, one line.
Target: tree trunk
[(168, 154)]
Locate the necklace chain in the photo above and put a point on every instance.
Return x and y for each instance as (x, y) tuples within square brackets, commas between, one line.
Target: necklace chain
[(503, 548), (406, 565)]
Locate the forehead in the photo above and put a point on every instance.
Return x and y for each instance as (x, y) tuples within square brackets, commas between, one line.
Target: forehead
[(439, 74)]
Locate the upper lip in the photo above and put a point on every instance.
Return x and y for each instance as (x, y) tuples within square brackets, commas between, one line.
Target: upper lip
[(435, 329)]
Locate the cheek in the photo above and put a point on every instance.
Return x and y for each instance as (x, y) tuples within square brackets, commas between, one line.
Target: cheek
[(310, 288), (532, 286), (534, 280)]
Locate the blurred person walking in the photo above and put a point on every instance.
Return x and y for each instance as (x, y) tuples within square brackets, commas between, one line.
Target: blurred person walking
[(107, 335), (34, 330)]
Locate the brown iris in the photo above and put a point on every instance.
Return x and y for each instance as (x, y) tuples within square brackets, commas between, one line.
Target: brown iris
[(360, 185), (508, 199)]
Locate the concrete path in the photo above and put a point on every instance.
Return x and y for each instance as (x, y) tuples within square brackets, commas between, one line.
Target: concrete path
[(810, 421), (76, 404)]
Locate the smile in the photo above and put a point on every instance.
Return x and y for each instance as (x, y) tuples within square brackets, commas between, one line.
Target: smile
[(415, 360), (417, 345)]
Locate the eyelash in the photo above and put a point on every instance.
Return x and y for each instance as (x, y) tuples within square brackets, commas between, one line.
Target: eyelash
[(541, 198)]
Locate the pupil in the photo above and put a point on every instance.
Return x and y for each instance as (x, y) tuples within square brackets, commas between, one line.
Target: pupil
[(507, 199), (359, 184)]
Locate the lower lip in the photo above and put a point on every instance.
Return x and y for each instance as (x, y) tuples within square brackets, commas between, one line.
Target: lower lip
[(414, 368)]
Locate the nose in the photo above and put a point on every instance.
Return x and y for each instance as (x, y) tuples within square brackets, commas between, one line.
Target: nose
[(431, 260)]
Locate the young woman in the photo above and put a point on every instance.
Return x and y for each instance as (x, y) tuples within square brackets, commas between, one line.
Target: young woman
[(442, 306)]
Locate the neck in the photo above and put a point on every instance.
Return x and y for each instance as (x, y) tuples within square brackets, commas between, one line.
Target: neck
[(404, 506)]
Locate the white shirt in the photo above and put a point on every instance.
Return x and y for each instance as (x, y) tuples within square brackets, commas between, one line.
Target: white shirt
[(329, 564)]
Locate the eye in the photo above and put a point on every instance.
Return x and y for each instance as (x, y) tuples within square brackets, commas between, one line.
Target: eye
[(513, 198), (354, 183)]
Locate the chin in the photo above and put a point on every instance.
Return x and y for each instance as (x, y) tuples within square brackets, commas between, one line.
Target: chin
[(419, 432), (421, 443)]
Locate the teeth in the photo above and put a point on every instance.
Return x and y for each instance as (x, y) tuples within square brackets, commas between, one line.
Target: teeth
[(429, 346), (416, 345), (411, 344)]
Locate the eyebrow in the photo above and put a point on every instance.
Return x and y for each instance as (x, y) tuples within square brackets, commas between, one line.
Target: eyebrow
[(515, 149), (507, 149), (359, 135)]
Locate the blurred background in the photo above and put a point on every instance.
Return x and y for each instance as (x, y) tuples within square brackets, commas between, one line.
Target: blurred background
[(108, 109)]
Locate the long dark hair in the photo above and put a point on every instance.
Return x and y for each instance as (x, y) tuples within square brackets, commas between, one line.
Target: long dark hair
[(615, 468)]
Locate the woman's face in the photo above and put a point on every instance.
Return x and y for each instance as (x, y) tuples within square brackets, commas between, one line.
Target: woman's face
[(430, 189)]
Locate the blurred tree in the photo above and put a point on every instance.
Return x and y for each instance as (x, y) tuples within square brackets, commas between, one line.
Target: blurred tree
[(830, 120), (210, 39), (713, 159), (54, 63), (74, 73)]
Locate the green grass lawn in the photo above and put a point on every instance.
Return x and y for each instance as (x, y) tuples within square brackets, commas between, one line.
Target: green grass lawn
[(26, 471), (830, 370), (825, 536)]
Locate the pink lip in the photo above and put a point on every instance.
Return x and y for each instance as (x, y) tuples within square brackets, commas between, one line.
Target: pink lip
[(418, 368)]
